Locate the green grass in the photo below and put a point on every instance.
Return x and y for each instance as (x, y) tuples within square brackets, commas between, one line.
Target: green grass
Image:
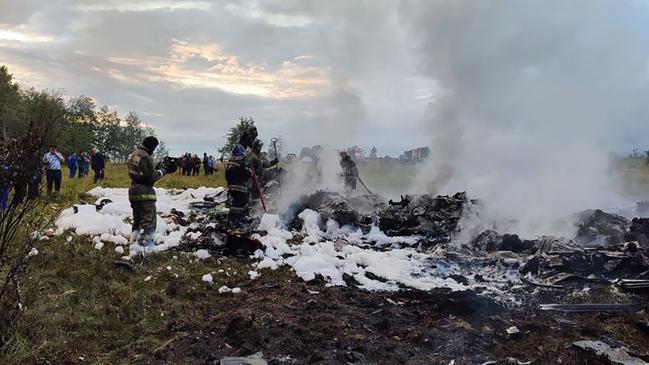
[(85, 307), (79, 304)]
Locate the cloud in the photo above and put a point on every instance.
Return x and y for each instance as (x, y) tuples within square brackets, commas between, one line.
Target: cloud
[(207, 65), (23, 37), (143, 6), (305, 69)]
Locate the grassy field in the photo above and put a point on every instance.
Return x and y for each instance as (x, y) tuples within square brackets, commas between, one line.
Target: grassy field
[(80, 307)]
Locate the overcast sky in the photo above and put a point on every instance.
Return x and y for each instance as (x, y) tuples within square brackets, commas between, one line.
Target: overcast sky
[(329, 72), (304, 70)]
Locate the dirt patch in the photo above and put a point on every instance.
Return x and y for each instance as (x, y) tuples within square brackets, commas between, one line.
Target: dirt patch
[(298, 323)]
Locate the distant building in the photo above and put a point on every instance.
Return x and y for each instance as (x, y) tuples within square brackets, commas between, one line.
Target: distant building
[(415, 155)]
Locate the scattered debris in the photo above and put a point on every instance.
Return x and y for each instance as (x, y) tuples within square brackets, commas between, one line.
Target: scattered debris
[(513, 330), (33, 252), (633, 284), (601, 228), (207, 278), (254, 359), (616, 356), (595, 307)]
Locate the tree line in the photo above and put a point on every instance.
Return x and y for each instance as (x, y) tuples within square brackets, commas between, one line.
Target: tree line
[(73, 124)]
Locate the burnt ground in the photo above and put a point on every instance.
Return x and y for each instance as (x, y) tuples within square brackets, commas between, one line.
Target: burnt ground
[(292, 324)]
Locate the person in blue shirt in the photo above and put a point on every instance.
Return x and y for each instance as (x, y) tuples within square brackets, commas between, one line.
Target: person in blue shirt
[(52, 160), (73, 163), (5, 187)]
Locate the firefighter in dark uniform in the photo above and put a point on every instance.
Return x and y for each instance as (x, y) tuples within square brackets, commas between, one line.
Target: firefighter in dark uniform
[(237, 175), (258, 164), (141, 194), (350, 171)]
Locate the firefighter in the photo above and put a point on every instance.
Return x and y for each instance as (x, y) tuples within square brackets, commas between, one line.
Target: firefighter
[(258, 164), (237, 175), (350, 171), (141, 194)]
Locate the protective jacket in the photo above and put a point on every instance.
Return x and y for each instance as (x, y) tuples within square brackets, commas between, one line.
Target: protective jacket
[(237, 175), (349, 167), (143, 175), (258, 164)]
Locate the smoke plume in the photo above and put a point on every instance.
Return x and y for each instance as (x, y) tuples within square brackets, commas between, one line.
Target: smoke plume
[(534, 97)]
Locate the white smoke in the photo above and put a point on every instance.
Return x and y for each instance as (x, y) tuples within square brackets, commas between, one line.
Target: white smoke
[(535, 96)]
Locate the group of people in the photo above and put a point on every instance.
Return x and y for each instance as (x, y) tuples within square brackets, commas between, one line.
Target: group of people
[(245, 175), (84, 162), (53, 161), (190, 165)]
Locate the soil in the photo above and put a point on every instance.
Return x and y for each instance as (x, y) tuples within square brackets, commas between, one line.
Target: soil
[(293, 322)]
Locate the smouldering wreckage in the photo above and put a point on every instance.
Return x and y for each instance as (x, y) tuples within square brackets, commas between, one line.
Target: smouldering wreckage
[(378, 245)]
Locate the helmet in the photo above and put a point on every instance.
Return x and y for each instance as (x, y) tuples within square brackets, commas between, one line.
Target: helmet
[(150, 143), (257, 144), (238, 151)]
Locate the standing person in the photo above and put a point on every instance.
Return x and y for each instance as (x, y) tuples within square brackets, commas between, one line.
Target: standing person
[(189, 167), (350, 171), (53, 160), (86, 163), (212, 164), (206, 164), (237, 176), (73, 164), (5, 188), (182, 162), (98, 163), (196, 163), (141, 194), (80, 163), (258, 164)]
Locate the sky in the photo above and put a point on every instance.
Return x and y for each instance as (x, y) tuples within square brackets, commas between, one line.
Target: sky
[(309, 72), (333, 72)]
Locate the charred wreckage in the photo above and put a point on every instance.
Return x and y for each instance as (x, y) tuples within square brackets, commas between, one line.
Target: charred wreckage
[(368, 242)]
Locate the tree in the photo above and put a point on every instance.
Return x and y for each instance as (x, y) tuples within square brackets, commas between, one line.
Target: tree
[(72, 124), (43, 111), (232, 137), (161, 152), (78, 132), (9, 99)]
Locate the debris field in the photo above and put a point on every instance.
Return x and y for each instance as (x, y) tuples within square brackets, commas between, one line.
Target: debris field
[(362, 280)]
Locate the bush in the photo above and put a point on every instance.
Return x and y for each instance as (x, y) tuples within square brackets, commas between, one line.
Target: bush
[(22, 220)]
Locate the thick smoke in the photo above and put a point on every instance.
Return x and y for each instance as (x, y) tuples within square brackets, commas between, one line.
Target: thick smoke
[(535, 95)]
